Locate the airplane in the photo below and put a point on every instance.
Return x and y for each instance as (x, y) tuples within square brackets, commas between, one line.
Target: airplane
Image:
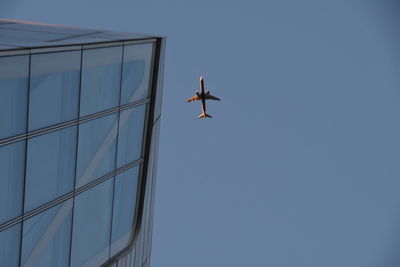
[(203, 96)]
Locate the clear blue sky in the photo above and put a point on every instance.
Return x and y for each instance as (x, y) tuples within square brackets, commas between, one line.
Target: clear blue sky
[(300, 164)]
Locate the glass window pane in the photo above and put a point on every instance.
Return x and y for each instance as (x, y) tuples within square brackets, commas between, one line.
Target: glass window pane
[(96, 148), (92, 226), (50, 164), (136, 72), (12, 168), (126, 185), (46, 237), (54, 88), (130, 137), (14, 72), (9, 246), (101, 79)]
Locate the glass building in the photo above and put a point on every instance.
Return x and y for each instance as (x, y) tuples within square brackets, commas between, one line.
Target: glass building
[(79, 127)]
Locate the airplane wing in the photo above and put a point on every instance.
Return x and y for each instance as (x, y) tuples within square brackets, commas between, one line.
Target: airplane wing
[(212, 97), (193, 99)]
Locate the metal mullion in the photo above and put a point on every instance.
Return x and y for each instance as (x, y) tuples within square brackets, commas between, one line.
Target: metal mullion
[(151, 186), (98, 114), (121, 42), (26, 158), (106, 177), (17, 51), (142, 41), (53, 49), (13, 139), (128, 166), (52, 128), (102, 44), (94, 183), (135, 104), (10, 223), (116, 150), (152, 204), (76, 158), (48, 205)]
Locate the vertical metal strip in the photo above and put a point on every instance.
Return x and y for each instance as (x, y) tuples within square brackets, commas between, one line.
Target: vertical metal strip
[(76, 160), (26, 159), (116, 151)]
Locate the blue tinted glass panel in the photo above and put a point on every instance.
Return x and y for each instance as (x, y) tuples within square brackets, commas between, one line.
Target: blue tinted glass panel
[(50, 164), (92, 226), (96, 148), (54, 88), (126, 185), (101, 79), (136, 72), (12, 168), (130, 137), (46, 237), (14, 72), (9, 246)]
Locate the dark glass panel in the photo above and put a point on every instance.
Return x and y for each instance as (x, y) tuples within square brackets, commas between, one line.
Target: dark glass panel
[(14, 72), (96, 148), (101, 79), (54, 88), (130, 137), (136, 72), (12, 169), (46, 237), (51, 164), (126, 185), (10, 246), (92, 226)]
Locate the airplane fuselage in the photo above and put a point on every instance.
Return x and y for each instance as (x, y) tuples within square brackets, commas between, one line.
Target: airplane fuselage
[(202, 95)]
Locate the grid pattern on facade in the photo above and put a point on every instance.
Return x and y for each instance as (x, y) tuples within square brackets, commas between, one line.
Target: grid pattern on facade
[(72, 128)]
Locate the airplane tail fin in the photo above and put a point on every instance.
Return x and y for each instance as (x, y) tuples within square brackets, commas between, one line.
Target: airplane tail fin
[(203, 115)]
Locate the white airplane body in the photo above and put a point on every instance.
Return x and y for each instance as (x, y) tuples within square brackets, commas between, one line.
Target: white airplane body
[(203, 96)]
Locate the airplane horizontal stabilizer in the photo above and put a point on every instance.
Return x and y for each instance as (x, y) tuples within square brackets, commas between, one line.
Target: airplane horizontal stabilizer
[(203, 115)]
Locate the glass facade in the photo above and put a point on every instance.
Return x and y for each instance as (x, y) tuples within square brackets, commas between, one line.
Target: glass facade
[(92, 225), (101, 79), (136, 72), (50, 163), (14, 73), (9, 246), (46, 237), (124, 208), (96, 148), (72, 138), (54, 88), (12, 165), (131, 122)]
